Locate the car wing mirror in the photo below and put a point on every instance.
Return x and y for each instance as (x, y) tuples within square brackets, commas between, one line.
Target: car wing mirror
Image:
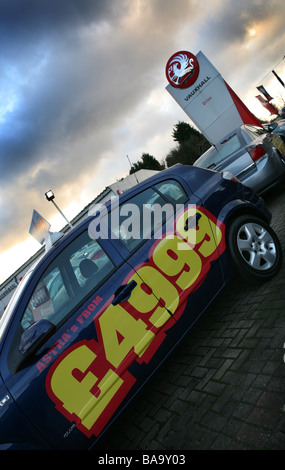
[(272, 126), (34, 336)]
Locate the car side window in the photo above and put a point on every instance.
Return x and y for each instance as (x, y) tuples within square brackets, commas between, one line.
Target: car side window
[(173, 191), (73, 274), (136, 222), (48, 297), (146, 213)]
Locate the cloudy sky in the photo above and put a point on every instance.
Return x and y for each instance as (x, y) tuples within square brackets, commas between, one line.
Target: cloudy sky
[(82, 85)]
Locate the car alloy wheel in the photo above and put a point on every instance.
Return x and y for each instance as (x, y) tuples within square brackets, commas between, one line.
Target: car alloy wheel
[(254, 248)]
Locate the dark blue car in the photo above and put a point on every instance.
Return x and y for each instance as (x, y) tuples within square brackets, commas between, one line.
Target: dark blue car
[(98, 313)]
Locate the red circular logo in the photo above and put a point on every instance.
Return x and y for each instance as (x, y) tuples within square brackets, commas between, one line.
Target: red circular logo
[(182, 69)]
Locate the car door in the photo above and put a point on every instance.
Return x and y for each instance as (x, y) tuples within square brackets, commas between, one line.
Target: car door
[(173, 244), (71, 381)]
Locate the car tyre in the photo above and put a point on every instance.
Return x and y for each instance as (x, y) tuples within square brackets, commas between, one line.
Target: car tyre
[(254, 248)]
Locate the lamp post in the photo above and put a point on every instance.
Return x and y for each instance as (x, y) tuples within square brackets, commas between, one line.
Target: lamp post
[(50, 197)]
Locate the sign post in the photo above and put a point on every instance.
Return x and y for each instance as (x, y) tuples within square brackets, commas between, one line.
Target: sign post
[(206, 98)]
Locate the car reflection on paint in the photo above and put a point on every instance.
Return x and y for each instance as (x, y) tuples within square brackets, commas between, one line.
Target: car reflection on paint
[(99, 312), (251, 155)]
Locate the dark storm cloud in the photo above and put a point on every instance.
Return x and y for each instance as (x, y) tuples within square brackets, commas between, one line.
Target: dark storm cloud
[(71, 70), (77, 71), (34, 32), (28, 18), (43, 82)]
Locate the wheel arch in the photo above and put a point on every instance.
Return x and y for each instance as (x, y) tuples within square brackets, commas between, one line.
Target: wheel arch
[(238, 208)]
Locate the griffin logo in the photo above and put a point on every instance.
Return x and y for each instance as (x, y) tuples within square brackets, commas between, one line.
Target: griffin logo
[(182, 69)]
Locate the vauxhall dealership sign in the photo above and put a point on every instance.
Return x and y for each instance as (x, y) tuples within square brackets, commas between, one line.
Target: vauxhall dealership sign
[(182, 69), (206, 98)]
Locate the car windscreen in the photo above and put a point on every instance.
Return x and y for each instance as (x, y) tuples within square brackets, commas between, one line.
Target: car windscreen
[(216, 154)]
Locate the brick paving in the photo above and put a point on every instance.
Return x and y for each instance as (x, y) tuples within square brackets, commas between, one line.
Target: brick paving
[(223, 388)]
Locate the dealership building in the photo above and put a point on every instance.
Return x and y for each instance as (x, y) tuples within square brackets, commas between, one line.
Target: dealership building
[(8, 287)]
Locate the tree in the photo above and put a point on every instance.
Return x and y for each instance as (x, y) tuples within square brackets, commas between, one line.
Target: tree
[(183, 131), (147, 162), (191, 145)]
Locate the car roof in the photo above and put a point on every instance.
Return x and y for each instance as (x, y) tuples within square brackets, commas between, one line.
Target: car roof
[(177, 170)]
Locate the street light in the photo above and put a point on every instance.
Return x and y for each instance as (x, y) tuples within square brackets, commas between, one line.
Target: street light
[(50, 197)]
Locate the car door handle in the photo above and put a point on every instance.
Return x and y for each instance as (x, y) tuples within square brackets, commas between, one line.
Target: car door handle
[(192, 222), (123, 293)]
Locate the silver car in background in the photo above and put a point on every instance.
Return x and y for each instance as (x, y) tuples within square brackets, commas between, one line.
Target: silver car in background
[(248, 153)]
